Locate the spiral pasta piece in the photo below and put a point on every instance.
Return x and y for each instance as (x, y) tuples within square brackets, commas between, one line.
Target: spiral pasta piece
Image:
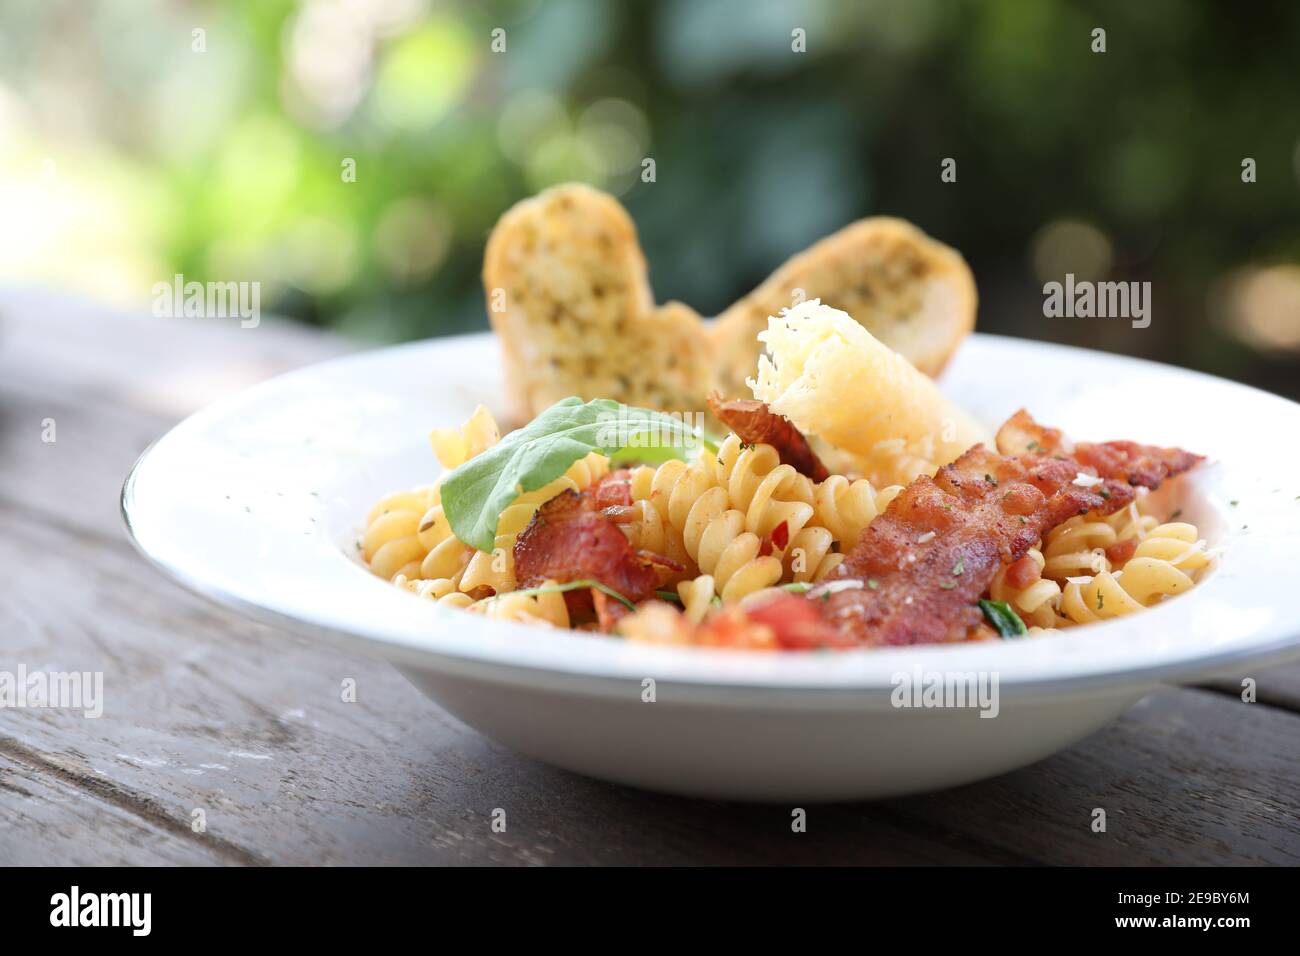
[(1175, 542), (1078, 547), (725, 550), (527, 607), (391, 544), (1036, 602), (1161, 566), (1141, 583), (455, 446), (846, 507), (661, 501), (442, 591), (755, 472), (495, 570), (810, 556), (1131, 523), (697, 597)]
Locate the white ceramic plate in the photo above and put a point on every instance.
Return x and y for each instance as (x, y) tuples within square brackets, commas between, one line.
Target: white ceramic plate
[(257, 502)]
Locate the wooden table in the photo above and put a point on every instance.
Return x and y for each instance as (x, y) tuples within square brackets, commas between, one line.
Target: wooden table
[(206, 710)]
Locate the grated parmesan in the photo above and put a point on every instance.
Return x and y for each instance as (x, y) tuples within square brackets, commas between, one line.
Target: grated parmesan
[(830, 587)]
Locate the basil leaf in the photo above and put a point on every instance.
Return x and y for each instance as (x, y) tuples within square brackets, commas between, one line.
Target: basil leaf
[(627, 456), (1006, 621), (475, 494)]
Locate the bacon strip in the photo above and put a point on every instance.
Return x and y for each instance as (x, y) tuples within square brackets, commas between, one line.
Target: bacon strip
[(569, 539), (985, 510), (1145, 465), (755, 423), (614, 490)]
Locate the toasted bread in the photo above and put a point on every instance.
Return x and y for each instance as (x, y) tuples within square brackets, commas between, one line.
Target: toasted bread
[(914, 294), (570, 301)]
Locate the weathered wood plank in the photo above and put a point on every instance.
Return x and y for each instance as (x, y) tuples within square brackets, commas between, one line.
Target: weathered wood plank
[(1277, 686), (44, 821), (1185, 777)]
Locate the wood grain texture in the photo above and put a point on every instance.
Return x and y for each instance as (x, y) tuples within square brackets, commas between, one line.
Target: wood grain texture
[(206, 710)]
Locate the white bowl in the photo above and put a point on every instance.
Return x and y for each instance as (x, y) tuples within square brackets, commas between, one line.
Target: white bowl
[(257, 502)]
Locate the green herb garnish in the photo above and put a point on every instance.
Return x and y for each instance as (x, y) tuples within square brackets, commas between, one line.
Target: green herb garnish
[(1004, 620), (475, 494), (568, 586)]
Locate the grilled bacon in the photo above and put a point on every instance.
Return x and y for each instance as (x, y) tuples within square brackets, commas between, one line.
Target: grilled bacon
[(614, 490), (1144, 465), (755, 424), (985, 510), (570, 539)]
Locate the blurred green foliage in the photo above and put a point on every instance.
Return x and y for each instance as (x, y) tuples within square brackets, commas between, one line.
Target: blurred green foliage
[(227, 162)]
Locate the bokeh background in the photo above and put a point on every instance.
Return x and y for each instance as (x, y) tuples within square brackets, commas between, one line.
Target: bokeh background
[(127, 155)]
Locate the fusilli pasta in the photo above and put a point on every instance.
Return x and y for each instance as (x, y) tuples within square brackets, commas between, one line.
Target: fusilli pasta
[(740, 527), (1092, 568)]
